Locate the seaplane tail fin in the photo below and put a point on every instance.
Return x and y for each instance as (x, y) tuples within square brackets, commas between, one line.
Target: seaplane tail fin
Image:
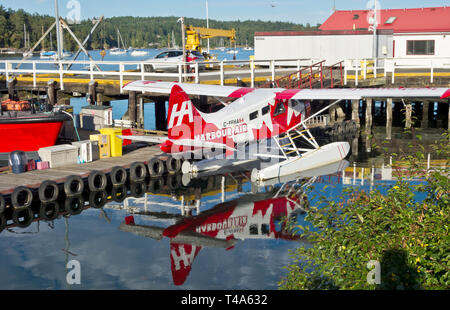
[(183, 118)]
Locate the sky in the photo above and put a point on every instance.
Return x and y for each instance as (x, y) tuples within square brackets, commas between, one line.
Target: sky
[(297, 11)]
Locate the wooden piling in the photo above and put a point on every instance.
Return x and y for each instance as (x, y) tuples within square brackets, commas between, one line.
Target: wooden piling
[(408, 115), (92, 92), (51, 92), (132, 107), (389, 119), (368, 127), (12, 82), (160, 114), (355, 112), (425, 107)]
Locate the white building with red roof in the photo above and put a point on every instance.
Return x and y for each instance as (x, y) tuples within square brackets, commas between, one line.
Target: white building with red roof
[(414, 34), (417, 32)]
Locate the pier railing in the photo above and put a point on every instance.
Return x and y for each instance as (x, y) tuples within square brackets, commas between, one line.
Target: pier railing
[(123, 71), (362, 69)]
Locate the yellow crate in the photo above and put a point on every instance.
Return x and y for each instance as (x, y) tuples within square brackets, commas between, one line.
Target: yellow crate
[(104, 145), (115, 142)]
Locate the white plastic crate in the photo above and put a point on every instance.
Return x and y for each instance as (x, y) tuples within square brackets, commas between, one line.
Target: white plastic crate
[(59, 155)]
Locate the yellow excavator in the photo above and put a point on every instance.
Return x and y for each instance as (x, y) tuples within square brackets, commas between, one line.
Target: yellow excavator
[(194, 35)]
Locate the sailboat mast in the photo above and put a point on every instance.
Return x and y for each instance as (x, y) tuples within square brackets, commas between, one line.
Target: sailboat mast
[(58, 31)]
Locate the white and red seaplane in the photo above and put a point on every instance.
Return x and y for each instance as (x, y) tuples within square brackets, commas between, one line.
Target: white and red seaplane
[(253, 115)]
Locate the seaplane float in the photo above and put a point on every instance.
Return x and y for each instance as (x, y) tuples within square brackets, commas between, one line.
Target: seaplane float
[(273, 119)]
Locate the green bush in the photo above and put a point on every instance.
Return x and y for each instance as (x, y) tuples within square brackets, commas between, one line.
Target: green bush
[(405, 229)]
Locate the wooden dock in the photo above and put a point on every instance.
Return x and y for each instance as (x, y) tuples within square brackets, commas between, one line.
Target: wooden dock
[(33, 179)]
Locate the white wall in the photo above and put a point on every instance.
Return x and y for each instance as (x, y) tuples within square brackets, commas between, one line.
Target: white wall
[(441, 47), (332, 48)]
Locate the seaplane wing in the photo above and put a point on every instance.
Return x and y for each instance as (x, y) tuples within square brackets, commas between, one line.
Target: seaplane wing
[(361, 93), (190, 89), (305, 94), (183, 142), (149, 139)]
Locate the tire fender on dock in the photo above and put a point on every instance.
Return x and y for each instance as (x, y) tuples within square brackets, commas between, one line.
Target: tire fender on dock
[(2, 204), (97, 181), (49, 211), (98, 199), (22, 197), (118, 176), (73, 186), (26, 214), (173, 164), (138, 189), (119, 193), (74, 205), (138, 172), (155, 185), (48, 191), (155, 167)]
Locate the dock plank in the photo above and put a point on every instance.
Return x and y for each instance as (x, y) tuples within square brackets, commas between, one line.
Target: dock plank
[(33, 179)]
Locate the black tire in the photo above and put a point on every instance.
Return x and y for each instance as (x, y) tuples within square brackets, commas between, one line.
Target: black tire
[(155, 185), (73, 186), (98, 199), (118, 176), (49, 211), (119, 193), (2, 222), (174, 181), (48, 191), (337, 129), (155, 167), (2, 204), (138, 172), (97, 181), (173, 165), (26, 213), (138, 189), (74, 205), (22, 197)]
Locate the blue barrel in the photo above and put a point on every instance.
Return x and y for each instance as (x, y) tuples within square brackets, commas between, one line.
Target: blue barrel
[(18, 161)]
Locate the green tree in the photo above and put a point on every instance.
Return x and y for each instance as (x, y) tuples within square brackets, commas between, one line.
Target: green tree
[(407, 234)]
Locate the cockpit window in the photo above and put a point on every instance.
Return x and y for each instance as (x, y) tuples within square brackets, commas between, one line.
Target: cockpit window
[(265, 110), (279, 109), (253, 229)]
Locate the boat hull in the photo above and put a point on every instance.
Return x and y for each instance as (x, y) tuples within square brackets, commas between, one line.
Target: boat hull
[(29, 133)]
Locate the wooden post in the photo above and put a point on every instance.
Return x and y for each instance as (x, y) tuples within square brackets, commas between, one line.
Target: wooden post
[(92, 92), (389, 119), (368, 126), (332, 115), (132, 108), (51, 92), (160, 113), (408, 112), (12, 82), (355, 112), (141, 112), (425, 108)]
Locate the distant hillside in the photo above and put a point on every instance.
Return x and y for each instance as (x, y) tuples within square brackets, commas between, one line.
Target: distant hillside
[(136, 31)]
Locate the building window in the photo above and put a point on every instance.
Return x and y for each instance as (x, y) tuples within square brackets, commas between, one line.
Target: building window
[(420, 47)]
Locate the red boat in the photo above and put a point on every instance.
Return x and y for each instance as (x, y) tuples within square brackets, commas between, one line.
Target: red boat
[(27, 131)]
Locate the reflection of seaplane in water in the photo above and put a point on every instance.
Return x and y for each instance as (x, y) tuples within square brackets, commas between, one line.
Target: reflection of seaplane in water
[(264, 215), (251, 116)]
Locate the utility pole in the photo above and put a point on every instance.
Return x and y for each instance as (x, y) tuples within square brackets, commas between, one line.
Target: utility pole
[(375, 24), (183, 44), (207, 21), (58, 31)]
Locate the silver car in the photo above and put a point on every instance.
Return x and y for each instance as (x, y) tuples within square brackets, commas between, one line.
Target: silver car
[(167, 60)]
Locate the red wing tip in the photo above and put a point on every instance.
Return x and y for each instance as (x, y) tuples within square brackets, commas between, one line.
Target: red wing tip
[(446, 94)]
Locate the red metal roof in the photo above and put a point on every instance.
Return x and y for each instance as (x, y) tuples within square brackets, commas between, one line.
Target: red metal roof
[(407, 20)]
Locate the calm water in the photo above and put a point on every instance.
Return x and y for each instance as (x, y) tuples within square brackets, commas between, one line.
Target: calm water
[(236, 241)]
